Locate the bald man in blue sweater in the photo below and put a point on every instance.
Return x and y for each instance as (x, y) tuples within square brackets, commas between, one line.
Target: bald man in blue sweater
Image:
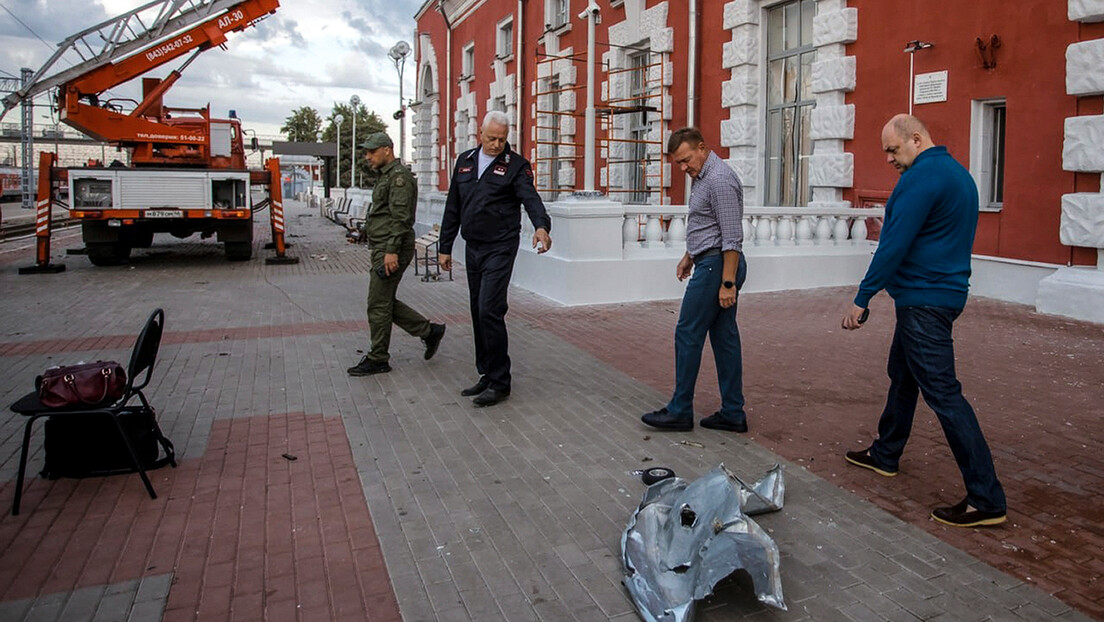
[(923, 262)]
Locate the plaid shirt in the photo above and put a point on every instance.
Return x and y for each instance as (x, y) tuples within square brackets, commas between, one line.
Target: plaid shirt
[(715, 218)]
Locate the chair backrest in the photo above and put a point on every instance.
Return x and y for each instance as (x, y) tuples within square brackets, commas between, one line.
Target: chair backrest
[(145, 352)]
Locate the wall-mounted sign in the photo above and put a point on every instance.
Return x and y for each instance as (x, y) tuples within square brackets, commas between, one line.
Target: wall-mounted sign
[(929, 88)]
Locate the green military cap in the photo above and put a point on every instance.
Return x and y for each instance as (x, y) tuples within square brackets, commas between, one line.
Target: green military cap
[(376, 141)]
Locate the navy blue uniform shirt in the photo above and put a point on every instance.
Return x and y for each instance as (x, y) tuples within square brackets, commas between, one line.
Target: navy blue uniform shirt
[(488, 208)]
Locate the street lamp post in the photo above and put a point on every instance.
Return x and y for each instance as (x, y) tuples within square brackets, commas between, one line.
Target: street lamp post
[(338, 120), (354, 101), (398, 54)]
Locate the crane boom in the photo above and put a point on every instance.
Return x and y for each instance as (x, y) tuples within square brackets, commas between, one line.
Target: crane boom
[(124, 38), (187, 171)]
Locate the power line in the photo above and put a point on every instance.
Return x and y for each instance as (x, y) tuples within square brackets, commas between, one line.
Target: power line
[(24, 24)]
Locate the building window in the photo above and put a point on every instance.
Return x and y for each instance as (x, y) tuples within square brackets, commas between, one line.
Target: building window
[(987, 151), (467, 66), (429, 89), (558, 11), (463, 135), (506, 38), (790, 102), (637, 149)]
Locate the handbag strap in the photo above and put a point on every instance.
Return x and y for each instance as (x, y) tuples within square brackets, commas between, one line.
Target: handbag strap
[(71, 380)]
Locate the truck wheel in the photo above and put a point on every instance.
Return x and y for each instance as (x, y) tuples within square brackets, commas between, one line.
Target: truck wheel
[(107, 253), (239, 251)]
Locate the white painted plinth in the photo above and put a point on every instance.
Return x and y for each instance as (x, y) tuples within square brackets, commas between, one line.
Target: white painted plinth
[(1076, 292), (645, 274)]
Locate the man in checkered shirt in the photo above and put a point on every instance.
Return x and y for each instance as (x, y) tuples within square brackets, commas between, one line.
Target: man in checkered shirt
[(714, 256)]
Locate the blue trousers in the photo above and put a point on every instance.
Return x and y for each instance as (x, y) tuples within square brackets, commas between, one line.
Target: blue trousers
[(701, 314), (921, 360)]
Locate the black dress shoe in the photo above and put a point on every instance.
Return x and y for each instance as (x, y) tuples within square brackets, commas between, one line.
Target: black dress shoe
[(666, 421), (490, 397), (476, 388), (367, 368), (433, 340), (717, 422), (961, 515)]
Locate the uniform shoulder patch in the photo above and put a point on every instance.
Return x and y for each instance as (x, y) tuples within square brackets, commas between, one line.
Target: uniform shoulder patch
[(399, 181)]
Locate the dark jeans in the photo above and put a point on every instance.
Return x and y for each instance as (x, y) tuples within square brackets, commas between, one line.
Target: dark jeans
[(921, 360), (489, 267), (701, 314)]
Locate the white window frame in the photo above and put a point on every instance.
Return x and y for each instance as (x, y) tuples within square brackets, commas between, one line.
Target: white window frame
[(636, 178), (800, 160), (982, 144), (467, 62), (557, 14), (504, 47), (429, 87)]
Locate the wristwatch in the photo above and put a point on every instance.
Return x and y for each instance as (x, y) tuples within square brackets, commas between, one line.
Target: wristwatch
[(728, 284)]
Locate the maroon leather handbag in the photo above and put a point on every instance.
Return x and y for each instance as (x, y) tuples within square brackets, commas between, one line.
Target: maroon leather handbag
[(87, 384)]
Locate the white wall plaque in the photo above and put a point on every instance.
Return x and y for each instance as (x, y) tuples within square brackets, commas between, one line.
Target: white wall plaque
[(930, 88)]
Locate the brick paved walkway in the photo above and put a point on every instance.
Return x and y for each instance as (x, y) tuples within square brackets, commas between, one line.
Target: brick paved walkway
[(515, 512)]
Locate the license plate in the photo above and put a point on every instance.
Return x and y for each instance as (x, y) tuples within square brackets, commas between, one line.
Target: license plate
[(164, 213)]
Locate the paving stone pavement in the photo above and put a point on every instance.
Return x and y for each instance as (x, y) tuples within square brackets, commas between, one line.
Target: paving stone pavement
[(406, 500)]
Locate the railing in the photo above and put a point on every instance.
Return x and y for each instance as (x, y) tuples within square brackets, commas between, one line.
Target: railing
[(664, 226)]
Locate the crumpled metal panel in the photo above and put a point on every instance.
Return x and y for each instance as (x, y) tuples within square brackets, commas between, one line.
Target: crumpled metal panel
[(687, 536)]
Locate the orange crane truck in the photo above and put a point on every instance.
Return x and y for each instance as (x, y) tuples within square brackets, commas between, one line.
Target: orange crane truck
[(187, 172)]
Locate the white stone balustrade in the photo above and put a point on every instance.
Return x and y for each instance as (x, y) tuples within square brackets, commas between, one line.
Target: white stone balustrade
[(652, 218), (763, 226), (604, 251)]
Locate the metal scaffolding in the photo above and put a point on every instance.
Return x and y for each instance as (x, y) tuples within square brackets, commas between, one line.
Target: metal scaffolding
[(551, 150), (639, 146), (634, 143)]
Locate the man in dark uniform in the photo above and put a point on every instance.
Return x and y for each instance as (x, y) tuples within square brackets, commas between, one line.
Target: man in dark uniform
[(389, 228), (489, 185)]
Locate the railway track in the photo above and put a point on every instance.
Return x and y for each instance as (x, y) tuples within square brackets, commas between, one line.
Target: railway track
[(28, 228)]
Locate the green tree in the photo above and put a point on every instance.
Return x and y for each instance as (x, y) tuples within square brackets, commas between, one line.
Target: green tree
[(302, 126), (367, 123)]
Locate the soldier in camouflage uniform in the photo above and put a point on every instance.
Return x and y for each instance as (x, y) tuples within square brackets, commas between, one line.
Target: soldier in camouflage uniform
[(389, 229)]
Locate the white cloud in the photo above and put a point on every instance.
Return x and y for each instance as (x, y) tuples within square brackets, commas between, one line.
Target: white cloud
[(309, 53)]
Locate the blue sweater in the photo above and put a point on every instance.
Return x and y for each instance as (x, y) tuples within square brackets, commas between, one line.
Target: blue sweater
[(923, 256)]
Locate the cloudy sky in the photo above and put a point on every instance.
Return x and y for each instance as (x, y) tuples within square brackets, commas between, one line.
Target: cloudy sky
[(309, 53)]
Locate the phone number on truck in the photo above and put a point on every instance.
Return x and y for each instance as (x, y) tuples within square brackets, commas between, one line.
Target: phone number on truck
[(168, 48)]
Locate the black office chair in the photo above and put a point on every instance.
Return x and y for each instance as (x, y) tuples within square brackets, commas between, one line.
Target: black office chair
[(120, 412)]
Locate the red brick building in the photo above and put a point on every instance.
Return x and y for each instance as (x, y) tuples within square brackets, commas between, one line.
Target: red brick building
[(793, 95)]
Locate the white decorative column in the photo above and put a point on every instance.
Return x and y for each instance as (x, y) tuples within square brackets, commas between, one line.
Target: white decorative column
[(503, 88), (831, 169), (563, 73), (426, 109), (1078, 292), (466, 120), (742, 56)]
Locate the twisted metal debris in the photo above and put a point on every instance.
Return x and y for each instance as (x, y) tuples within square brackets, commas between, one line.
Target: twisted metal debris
[(687, 536)]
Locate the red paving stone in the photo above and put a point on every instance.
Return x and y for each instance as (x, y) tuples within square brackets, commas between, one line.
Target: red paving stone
[(815, 391), (249, 534)]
